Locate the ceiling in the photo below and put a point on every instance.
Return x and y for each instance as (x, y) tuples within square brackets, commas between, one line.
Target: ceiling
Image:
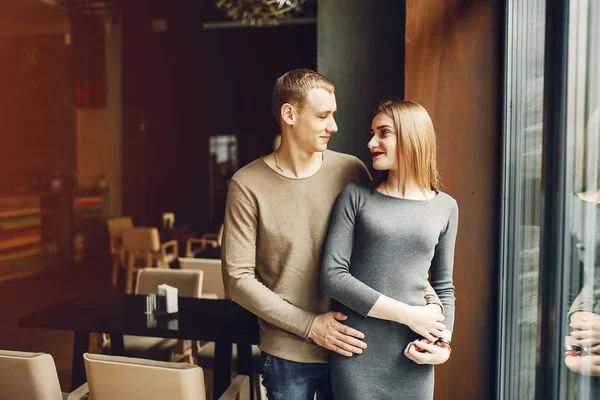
[(32, 17)]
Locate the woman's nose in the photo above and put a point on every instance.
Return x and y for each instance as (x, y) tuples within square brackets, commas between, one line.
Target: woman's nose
[(372, 143)]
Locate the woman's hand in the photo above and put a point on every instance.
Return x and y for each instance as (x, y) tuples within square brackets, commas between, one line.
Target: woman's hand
[(586, 331), (423, 351), (424, 320)]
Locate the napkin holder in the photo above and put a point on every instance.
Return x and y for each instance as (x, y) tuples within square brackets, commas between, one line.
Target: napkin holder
[(169, 296)]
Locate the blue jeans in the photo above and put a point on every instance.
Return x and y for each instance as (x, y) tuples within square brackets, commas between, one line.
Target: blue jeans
[(289, 380)]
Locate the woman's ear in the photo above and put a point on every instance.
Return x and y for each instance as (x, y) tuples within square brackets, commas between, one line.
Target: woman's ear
[(288, 114)]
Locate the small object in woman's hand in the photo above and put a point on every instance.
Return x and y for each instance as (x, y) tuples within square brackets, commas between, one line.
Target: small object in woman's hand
[(573, 350)]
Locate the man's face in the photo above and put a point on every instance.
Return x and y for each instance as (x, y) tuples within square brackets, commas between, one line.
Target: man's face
[(314, 124)]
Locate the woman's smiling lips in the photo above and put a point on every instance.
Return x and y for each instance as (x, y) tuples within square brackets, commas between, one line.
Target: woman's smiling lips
[(376, 154)]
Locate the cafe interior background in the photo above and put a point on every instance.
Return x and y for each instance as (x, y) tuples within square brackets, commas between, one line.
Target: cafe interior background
[(139, 108)]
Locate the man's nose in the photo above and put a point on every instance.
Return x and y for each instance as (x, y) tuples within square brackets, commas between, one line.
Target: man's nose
[(332, 127)]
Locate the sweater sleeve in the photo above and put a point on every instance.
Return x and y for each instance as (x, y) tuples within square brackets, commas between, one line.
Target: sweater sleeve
[(238, 256), (442, 266), (336, 280)]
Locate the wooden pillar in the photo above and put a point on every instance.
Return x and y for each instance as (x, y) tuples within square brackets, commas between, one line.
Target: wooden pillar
[(454, 68)]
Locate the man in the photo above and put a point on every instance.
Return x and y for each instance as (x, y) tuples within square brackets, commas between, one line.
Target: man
[(276, 219)]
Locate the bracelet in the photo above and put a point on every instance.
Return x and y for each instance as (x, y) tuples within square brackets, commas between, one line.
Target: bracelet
[(443, 343), (573, 350)]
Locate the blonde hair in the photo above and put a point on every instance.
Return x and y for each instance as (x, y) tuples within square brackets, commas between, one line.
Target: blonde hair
[(417, 148), (293, 86)]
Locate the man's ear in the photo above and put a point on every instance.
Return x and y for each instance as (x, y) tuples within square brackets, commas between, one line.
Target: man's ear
[(288, 114)]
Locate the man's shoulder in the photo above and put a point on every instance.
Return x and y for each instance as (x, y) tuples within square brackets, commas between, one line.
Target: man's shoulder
[(249, 171), (343, 158), (348, 168)]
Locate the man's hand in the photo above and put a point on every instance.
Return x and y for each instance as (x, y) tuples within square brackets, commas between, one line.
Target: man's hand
[(425, 320), (423, 351), (327, 332), (586, 331)]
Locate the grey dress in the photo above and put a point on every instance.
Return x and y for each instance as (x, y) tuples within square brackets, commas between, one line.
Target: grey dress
[(379, 244)]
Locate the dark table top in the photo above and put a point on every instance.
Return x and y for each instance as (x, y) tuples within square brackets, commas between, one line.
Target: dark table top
[(116, 313)]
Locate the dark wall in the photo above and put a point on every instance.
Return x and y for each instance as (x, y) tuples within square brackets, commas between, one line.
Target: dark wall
[(36, 109), (185, 84), (361, 49), (454, 69)]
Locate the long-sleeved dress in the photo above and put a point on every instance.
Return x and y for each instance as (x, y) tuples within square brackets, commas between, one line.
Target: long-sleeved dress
[(380, 244)]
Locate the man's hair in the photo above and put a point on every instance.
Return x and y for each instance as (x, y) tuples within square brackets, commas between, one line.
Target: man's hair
[(293, 86), (417, 148)]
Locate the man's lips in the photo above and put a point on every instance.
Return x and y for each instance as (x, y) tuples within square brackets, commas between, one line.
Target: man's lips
[(376, 154)]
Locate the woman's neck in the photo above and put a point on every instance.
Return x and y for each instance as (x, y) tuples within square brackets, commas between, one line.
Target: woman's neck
[(398, 185)]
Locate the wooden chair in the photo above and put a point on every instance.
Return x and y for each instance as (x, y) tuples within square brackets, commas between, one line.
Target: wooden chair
[(123, 378), (143, 244), (28, 376), (115, 227), (188, 284), (213, 287), (212, 284), (204, 241)]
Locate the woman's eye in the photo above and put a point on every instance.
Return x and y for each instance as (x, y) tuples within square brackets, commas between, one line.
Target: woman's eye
[(384, 132)]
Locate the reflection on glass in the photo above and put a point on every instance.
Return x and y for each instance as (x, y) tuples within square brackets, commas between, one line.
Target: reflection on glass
[(522, 188), (582, 341)]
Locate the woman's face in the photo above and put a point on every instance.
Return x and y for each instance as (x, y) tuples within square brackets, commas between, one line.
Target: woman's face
[(384, 143)]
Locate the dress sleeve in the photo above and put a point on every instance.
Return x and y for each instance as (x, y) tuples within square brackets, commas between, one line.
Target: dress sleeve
[(336, 280), (238, 256), (442, 267)]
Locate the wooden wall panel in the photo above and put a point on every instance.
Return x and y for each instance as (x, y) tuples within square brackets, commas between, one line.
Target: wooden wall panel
[(453, 68), (36, 109)]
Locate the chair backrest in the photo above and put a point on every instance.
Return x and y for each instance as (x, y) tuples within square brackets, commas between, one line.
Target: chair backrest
[(213, 277), (140, 239), (124, 378), (168, 220), (115, 227), (30, 376), (188, 283), (220, 235)]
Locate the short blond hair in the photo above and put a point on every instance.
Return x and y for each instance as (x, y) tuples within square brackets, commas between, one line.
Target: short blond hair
[(417, 147), (293, 86)]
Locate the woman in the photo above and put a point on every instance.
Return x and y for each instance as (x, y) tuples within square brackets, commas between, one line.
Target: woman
[(382, 243)]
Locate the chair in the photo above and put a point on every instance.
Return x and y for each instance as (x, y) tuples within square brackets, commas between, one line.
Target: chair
[(144, 244), (28, 376), (168, 220), (115, 227), (122, 378), (213, 287), (206, 240), (188, 284)]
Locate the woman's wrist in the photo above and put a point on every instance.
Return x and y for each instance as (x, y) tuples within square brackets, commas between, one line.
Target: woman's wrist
[(403, 313)]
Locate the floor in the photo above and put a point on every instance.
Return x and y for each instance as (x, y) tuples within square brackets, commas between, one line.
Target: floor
[(20, 297)]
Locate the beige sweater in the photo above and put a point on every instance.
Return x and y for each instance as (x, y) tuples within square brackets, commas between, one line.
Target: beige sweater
[(272, 243)]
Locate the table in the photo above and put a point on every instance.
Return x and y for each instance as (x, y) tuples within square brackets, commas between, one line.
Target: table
[(220, 321)]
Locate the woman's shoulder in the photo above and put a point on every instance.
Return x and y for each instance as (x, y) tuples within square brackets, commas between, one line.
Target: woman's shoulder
[(356, 189), (444, 200)]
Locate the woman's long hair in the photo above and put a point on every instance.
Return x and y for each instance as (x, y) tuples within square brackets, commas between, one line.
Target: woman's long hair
[(417, 147)]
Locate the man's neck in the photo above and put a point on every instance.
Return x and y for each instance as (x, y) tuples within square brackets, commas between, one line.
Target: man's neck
[(293, 162)]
